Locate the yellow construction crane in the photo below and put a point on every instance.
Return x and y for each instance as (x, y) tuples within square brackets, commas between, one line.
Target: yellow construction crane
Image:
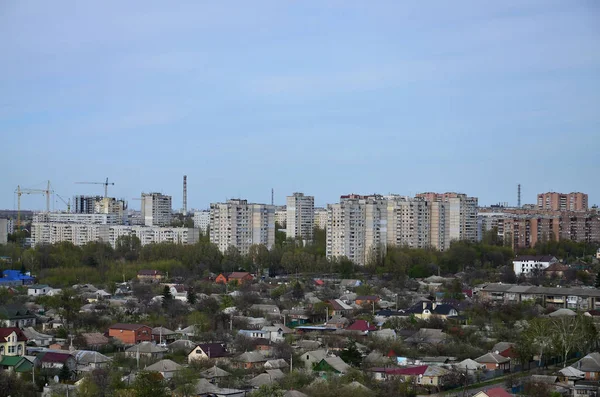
[(19, 192), (68, 204), (106, 183)]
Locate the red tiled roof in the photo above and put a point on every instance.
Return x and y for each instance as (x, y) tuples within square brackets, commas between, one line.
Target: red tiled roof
[(361, 325), (5, 332), (319, 282), (497, 392)]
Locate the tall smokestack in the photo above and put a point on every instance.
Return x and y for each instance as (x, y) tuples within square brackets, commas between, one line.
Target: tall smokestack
[(272, 196), (519, 196), (185, 195)]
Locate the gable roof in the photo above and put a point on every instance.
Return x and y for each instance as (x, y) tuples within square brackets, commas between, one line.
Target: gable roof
[(251, 357), (213, 350), (54, 357), (494, 392), (165, 365), (214, 372), (536, 258), (146, 348), (5, 332), (337, 364), (502, 346), (338, 304), (361, 325), (15, 312), (589, 363), (95, 338), (492, 358), (238, 275), (128, 327)]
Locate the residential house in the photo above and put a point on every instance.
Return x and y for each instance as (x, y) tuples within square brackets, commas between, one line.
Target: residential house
[(12, 342), (88, 360), (54, 360), (338, 306), (18, 364), (556, 270), (38, 290), (37, 338), (590, 366), (572, 298), (350, 283), (367, 299), (163, 335), (494, 361), (493, 392), (214, 372), (505, 349), (16, 316), (271, 311), (185, 345), (337, 321), (425, 310), (204, 388), (147, 275), (361, 327), (206, 351), (469, 366), (385, 333), (332, 364), (427, 336), (239, 277), (178, 291), (313, 357), (146, 349), (94, 340), (249, 360), (277, 332), (279, 363), (266, 378), (167, 368), (130, 334)]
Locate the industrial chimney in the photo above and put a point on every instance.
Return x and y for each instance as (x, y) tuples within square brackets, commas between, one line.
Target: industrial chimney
[(185, 195)]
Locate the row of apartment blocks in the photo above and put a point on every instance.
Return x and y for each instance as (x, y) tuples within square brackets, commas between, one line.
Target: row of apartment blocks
[(83, 233), (359, 227), (572, 298), (523, 228), (575, 201)]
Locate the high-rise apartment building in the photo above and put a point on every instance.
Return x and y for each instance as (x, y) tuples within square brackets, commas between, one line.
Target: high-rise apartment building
[(100, 205), (241, 224), (281, 215), (458, 214), (85, 204), (3, 231), (156, 209), (361, 227), (300, 219), (202, 220), (553, 201), (321, 218)]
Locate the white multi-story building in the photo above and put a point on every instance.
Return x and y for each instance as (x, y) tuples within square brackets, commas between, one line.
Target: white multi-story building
[(202, 220), (81, 234), (300, 216), (281, 215), (530, 264), (408, 222), (241, 224), (66, 217), (156, 209), (321, 218), (346, 228)]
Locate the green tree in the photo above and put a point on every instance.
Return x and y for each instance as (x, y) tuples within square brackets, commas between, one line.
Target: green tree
[(538, 337), (268, 391), (128, 247), (191, 296), (149, 384), (167, 296), (351, 355), (65, 373)]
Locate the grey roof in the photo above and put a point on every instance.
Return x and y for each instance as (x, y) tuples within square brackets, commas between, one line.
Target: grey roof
[(266, 378), (318, 354), (502, 346), (544, 378), (251, 357), (492, 358), (90, 357), (214, 372), (162, 331), (562, 312), (165, 365), (469, 364), (146, 348), (427, 335), (571, 372), (337, 363), (182, 344), (276, 364), (534, 290), (589, 363)]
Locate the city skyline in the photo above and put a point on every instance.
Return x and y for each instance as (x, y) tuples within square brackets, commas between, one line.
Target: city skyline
[(326, 99)]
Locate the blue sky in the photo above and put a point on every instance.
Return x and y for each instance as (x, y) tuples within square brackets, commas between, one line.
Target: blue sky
[(323, 97)]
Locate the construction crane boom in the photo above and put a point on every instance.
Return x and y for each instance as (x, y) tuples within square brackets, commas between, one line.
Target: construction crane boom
[(19, 192), (106, 183), (68, 204)]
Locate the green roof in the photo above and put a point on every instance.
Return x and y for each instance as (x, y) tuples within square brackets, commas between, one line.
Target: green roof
[(19, 364)]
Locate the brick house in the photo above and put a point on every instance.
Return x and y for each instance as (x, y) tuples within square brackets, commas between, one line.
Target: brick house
[(240, 277), (150, 275), (130, 334)]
